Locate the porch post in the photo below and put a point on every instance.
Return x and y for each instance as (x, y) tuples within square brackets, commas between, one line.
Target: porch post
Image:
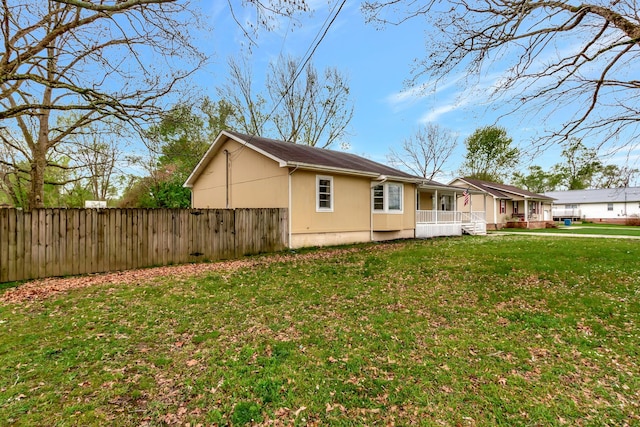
[(526, 211), (484, 199), (436, 206)]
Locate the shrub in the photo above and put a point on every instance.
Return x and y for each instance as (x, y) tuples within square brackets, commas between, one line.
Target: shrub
[(633, 220)]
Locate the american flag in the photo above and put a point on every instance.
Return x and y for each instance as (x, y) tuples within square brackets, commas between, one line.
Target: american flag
[(466, 197)]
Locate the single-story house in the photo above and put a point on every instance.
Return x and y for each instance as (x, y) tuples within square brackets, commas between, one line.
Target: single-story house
[(332, 197), (505, 205), (614, 205)]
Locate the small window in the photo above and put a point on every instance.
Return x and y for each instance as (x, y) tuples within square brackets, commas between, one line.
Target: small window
[(387, 197), (609, 206), (503, 206), (515, 207), (378, 198), (324, 193)]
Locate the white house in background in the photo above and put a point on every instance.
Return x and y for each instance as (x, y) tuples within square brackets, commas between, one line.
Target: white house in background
[(601, 205)]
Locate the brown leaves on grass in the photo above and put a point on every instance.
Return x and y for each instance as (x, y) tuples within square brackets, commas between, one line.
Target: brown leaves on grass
[(45, 288)]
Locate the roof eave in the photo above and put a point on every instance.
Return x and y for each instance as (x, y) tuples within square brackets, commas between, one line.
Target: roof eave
[(332, 169)]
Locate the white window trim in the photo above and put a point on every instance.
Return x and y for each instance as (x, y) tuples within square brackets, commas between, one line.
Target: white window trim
[(385, 199), (331, 193)]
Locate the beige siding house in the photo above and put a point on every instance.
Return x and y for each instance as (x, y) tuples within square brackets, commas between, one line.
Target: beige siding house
[(505, 205), (332, 197)]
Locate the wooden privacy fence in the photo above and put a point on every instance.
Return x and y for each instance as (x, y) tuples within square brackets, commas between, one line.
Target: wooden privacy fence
[(61, 242)]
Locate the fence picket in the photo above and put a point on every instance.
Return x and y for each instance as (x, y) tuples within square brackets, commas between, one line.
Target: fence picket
[(59, 242)]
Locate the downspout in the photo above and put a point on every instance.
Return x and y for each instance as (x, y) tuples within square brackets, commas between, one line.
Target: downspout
[(226, 181), (290, 202), (374, 184), (371, 215)]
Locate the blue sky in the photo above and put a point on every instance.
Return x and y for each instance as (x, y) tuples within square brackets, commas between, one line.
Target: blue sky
[(378, 63)]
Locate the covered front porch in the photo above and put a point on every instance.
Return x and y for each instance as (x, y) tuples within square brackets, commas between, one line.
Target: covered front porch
[(449, 223), (436, 213)]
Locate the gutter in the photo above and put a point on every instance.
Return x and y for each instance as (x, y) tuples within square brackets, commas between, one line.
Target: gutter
[(374, 175)]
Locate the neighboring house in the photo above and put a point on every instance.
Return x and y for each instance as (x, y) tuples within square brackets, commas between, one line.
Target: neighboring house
[(506, 205), (602, 205), (332, 197)]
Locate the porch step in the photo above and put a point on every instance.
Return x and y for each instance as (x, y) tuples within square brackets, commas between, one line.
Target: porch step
[(475, 229)]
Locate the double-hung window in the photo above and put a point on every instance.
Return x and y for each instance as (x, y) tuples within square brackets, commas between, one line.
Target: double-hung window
[(388, 197), (324, 193), (609, 206), (503, 206)]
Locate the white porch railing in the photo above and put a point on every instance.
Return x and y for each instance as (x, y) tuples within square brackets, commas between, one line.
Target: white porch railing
[(566, 213), (449, 217)]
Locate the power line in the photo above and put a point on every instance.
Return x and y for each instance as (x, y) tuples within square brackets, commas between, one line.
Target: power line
[(309, 53)]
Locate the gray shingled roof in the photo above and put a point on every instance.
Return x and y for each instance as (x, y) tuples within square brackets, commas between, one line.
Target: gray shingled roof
[(603, 195), (298, 153), (502, 191), (303, 156)]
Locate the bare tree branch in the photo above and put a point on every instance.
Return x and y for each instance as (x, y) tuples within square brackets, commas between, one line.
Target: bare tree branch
[(90, 58), (426, 152), (557, 56)]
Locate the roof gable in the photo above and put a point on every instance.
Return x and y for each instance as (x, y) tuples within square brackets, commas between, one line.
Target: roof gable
[(288, 154)]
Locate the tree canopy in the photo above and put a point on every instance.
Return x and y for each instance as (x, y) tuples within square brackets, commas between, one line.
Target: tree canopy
[(581, 168), (177, 143), (489, 156)]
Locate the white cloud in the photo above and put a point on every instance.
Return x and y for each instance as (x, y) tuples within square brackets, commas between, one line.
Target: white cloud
[(436, 113), (410, 96)]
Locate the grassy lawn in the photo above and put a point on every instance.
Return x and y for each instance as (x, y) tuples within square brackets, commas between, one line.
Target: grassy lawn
[(585, 228), (498, 330)]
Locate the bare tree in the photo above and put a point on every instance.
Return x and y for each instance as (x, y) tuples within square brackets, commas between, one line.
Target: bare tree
[(562, 56), (426, 152), (97, 153), (249, 107), (301, 106), (88, 57), (314, 110)]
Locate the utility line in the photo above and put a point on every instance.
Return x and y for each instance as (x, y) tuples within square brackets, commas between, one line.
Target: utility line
[(309, 53)]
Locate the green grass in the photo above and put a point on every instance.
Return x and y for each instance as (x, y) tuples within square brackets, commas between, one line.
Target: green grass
[(499, 330), (584, 228)]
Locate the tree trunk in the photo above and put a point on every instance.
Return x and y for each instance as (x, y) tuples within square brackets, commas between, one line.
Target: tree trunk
[(38, 165), (40, 149)]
